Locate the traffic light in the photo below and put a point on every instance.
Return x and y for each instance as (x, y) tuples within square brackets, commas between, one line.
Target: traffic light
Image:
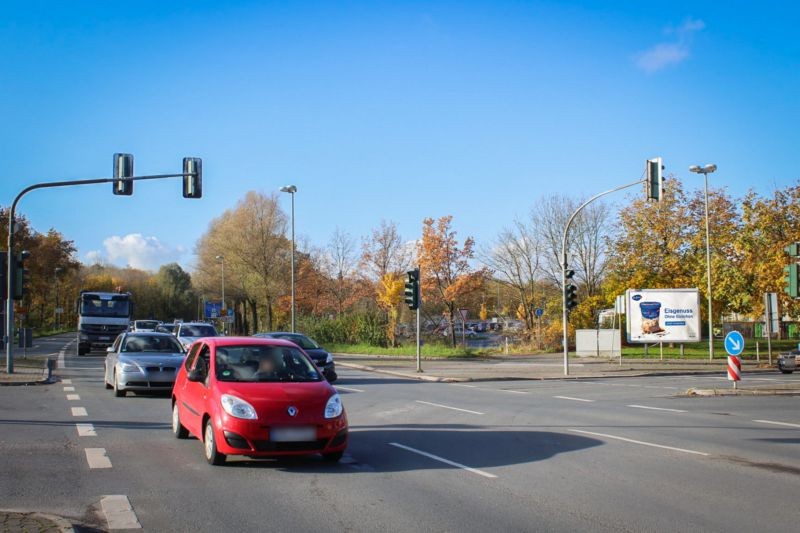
[(20, 277), (790, 279), (570, 290), (192, 177), (411, 291), (4, 275), (655, 179), (123, 171)]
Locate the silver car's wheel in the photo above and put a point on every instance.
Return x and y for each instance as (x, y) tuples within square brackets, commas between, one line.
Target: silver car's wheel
[(178, 430), (213, 456), (105, 380)]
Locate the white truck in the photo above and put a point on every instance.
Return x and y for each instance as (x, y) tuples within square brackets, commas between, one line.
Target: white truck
[(101, 317)]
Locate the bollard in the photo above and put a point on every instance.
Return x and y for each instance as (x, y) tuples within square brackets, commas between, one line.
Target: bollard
[(51, 365), (758, 356), (682, 354)]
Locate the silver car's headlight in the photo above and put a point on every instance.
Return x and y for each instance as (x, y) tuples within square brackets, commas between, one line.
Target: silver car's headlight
[(128, 367), (334, 407), (329, 359), (237, 407)]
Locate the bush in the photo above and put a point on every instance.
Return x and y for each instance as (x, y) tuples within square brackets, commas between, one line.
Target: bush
[(354, 328)]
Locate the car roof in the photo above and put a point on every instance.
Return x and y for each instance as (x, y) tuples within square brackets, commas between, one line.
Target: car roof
[(147, 334), (287, 333), (244, 341)]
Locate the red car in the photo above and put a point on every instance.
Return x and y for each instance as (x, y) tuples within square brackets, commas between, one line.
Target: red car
[(256, 397)]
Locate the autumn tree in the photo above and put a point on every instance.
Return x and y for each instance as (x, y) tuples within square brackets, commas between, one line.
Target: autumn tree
[(390, 294), (446, 273)]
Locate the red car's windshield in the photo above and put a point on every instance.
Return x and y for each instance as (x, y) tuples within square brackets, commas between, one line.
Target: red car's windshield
[(257, 363)]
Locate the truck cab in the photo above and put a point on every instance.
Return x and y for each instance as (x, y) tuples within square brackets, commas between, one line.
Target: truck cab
[(101, 317)]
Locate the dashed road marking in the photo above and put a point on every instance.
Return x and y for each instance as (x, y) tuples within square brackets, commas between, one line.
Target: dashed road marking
[(443, 460), (573, 399), (776, 423), (643, 443), (97, 458), (66, 381), (448, 407), (119, 512), (72, 397), (86, 430), (348, 389), (69, 389), (657, 408), (464, 385), (79, 411)]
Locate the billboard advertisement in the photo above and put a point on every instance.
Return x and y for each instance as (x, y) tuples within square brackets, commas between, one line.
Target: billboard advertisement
[(663, 315)]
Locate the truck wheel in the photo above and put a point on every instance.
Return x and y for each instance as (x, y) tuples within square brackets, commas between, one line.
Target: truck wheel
[(786, 371)]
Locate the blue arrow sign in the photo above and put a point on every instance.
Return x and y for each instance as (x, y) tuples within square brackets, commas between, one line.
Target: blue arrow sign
[(539, 311), (734, 343)]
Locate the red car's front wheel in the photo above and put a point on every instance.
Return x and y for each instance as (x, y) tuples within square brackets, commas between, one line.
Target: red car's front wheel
[(213, 455)]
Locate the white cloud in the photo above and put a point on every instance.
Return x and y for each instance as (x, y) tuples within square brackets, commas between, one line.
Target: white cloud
[(136, 251), (672, 52)]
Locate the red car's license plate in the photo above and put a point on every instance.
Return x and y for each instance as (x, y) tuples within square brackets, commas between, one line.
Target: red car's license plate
[(293, 434)]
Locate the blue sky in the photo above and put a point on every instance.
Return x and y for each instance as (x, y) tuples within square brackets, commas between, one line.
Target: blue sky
[(395, 110)]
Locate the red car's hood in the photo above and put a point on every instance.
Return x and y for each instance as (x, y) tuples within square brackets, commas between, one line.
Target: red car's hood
[(271, 400)]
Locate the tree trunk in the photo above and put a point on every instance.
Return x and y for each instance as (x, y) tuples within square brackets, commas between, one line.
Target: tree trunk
[(451, 310), (254, 312)]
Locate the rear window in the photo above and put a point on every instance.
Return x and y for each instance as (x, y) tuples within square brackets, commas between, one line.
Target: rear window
[(199, 330)]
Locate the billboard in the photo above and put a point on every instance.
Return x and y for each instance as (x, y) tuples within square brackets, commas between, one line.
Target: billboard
[(663, 315)]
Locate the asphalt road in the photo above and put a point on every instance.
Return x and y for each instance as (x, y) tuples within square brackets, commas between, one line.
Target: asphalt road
[(591, 455)]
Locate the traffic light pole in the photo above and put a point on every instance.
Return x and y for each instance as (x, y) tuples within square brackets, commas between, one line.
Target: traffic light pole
[(8, 338), (564, 265)]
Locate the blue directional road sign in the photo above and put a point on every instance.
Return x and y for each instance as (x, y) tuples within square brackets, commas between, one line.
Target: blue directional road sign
[(213, 309), (539, 311), (734, 343)]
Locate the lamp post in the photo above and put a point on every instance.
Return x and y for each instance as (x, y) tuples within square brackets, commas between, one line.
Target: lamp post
[(56, 272), (291, 189), (221, 259), (705, 171)]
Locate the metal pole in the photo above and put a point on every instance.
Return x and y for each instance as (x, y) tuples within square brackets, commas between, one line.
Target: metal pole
[(564, 266), (224, 306), (708, 276), (419, 351), (293, 304), (9, 334)]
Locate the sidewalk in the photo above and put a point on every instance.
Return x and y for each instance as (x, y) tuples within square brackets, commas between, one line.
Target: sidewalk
[(536, 367), (26, 372)]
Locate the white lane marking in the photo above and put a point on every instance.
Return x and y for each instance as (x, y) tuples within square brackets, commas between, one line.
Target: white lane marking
[(348, 389), (72, 397), (119, 512), (787, 424), (464, 385), (69, 389), (573, 399), (79, 411), (488, 389), (86, 430), (66, 381), (657, 408), (639, 442), (97, 458), (511, 391), (443, 460), (448, 407)]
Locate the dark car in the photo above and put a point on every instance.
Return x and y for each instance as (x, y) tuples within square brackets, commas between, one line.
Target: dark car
[(322, 358)]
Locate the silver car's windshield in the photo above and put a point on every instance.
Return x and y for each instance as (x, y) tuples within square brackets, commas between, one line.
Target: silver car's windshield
[(264, 363), (151, 344)]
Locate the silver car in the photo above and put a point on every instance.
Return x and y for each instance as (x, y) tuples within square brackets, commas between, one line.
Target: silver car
[(142, 362)]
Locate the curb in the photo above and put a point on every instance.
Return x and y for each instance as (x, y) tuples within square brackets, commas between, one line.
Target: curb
[(440, 379), (418, 377), (62, 524)]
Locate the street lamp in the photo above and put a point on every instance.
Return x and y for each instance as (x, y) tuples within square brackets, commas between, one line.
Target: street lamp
[(705, 171), (291, 189), (221, 259), (56, 272)]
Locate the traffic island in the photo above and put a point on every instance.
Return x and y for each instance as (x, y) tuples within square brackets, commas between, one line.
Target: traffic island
[(14, 521), (766, 390), (28, 372)]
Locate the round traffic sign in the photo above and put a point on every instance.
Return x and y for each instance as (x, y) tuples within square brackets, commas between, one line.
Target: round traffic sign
[(734, 343)]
